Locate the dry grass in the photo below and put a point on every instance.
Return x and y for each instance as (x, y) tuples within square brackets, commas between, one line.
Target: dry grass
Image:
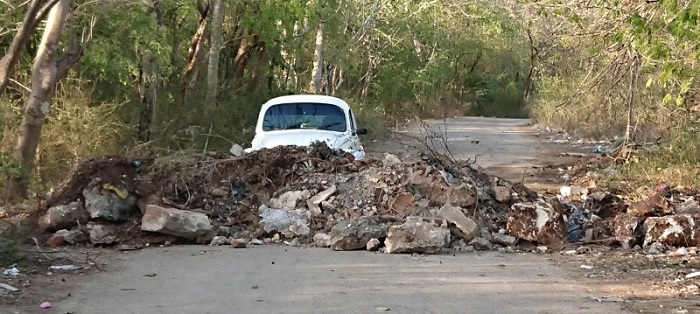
[(75, 130)]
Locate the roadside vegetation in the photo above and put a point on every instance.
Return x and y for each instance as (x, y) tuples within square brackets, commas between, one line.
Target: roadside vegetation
[(149, 77)]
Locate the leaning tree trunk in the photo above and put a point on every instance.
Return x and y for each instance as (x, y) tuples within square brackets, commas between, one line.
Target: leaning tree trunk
[(35, 13), (214, 50), (316, 84), (46, 71)]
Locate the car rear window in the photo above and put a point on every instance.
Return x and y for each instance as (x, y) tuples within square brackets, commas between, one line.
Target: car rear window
[(296, 116)]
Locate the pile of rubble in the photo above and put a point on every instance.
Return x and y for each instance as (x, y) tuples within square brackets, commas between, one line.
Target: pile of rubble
[(294, 195), (664, 220), (316, 196)]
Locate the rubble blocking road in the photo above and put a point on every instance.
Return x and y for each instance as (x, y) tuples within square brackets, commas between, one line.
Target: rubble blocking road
[(280, 279)]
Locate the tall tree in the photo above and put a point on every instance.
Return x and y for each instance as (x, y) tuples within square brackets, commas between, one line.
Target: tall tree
[(47, 70), (316, 84), (214, 50)]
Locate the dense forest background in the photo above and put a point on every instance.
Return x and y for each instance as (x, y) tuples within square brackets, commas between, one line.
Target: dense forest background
[(86, 78)]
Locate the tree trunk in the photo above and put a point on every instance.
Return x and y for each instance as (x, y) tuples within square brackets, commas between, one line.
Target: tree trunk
[(45, 73), (194, 52), (316, 83), (35, 13), (258, 63), (214, 50)]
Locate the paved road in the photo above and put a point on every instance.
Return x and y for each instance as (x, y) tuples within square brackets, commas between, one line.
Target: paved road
[(509, 148), (279, 279)]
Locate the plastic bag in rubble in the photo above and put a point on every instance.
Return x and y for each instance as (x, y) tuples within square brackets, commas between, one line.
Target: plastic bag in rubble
[(577, 218), (287, 222)]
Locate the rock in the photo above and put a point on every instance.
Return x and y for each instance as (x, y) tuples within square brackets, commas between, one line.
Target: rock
[(103, 234), (437, 191), (480, 244), (537, 222), (416, 237), (64, 236), (219, 192), (373, 245), (391, 160), (690, 206), (108, 205), (503, 239), (626, 230), (319, 198), (673, 230), (219, 240), (354, 234), (288, 200), (56, 240), (206, 238), (503, 194), (287, 222), (143, 202), (175, 222), (239, 243), (63, 217), (322, 240), (455, 216), (401, 202)]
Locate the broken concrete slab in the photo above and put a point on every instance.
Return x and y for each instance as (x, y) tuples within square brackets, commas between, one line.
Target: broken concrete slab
[(175, 222), (455, 216), (503, 239), (354, 234), (481, 244), (313, 202), (537, 222), (289, 223), (417, 236), (401, 202), (627, 230), (63, 217), (322, 239), (108, 205), (673, 230), (288, 200)]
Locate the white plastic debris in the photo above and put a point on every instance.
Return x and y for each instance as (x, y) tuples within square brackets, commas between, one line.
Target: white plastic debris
[(692, 275), (8, 287), (14, 271), (588, 267), (64, 267), (236, 150), (565, 191), (608, 300)]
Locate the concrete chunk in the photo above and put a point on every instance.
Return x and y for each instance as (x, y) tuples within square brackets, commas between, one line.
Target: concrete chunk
[(537, 222), (175, 222), (454, 215)]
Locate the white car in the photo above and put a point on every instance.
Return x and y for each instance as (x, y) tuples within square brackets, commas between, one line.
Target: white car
[(300, 120)]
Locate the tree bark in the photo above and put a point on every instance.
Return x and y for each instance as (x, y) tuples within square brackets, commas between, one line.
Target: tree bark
[(46, 71), (215, 50), (194, 52), (35, 13), (316, 83)]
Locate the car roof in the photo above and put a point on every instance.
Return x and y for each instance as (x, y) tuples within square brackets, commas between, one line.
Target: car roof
[(306, 98)]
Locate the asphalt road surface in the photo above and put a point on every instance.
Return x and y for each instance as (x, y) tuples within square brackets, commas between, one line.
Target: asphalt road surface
[(280, 279)]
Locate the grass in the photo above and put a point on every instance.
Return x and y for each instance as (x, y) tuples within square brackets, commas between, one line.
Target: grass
[(674, 164), (10, 252)]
